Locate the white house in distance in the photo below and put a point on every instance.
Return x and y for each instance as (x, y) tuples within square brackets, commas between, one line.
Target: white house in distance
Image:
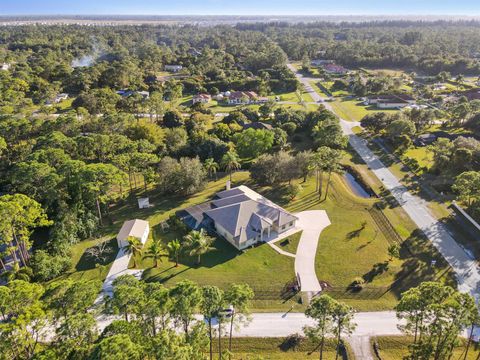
[(245, 97), (136, 228), (241, 216), (5, 67), (201, 98), (392, 101), (173, 68)]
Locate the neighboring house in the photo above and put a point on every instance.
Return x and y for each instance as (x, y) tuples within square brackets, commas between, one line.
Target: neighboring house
[(57, 99), (194, 52), (173, 68), (390, 101), (241, 216), (425, 139), (127, 93), (257, 125), (137, 228), (60, 97), (242, 97), (335, 69), (144, 94), (201, 98), (320, 62)]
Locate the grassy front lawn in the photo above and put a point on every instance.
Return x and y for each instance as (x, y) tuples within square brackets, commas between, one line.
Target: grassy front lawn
[(278, 349), (352, 110), (355, 246), (396, 347), (290, 244), (421, 155)]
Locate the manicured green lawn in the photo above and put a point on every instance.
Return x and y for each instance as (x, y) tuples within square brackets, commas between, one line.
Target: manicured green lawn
[(352, 109), (421, 155), (85, 267), (328, 85), (278, 349), (290, 244), (354, 246), (396, 347)]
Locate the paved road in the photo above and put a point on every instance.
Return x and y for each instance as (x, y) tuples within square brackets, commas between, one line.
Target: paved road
[(312, 222), (284, 324), (466, 269)]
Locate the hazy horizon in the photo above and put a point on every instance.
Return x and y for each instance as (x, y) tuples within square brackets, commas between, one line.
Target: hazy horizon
[(467, 8)]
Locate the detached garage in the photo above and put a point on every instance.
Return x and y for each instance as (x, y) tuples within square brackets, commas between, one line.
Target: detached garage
[(136, 228)]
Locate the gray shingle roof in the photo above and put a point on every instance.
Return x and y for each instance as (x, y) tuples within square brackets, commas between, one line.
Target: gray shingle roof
[(244, 213)]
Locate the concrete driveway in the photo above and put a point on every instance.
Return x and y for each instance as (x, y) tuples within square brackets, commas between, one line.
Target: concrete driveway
[(312, 223)]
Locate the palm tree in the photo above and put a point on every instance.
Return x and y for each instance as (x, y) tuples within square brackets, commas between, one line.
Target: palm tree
[(231, 161), (211, 166), (133, 247), (459, 79), (333, 166), (199, 243), (155, 252), (320, 160), (174, 248)]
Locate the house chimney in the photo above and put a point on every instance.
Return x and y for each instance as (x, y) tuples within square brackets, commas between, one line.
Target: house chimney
[(228, 185)]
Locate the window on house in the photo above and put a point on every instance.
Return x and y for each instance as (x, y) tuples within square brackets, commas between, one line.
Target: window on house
[(283, 227)]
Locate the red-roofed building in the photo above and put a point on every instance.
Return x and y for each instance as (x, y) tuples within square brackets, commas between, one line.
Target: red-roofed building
[(335, 69), (201, 98)]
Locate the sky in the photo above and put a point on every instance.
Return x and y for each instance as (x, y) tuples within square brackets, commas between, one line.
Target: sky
[(239, 7)]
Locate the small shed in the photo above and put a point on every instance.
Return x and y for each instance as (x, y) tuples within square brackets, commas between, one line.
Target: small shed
[(144, 203), (136, 228)]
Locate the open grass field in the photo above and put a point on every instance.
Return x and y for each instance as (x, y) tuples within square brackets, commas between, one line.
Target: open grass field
[(352, 109), (290, 244), (421, 155), (278, 349), (396, 347), (328, 85)]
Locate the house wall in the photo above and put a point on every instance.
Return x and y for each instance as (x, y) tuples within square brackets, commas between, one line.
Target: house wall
[(225, 234), (281, 229), (391, 105)]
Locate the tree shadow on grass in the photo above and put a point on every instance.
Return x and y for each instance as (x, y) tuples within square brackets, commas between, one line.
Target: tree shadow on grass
[(356, 233), (89, 262), (377, 270), (421, 262)]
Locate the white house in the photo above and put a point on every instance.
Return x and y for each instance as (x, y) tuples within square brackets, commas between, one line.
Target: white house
[(392, 101), (241, 216), (173, 68), (61, 97), (5, 66), (242, 97), (136, 228)]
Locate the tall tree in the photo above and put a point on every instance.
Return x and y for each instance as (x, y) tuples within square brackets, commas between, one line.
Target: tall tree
[(174, 249), (155, 252), (186, 298), (199, 243), (212, 304), (230, 162), (322, 310), (134, 248), (239, 297)]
